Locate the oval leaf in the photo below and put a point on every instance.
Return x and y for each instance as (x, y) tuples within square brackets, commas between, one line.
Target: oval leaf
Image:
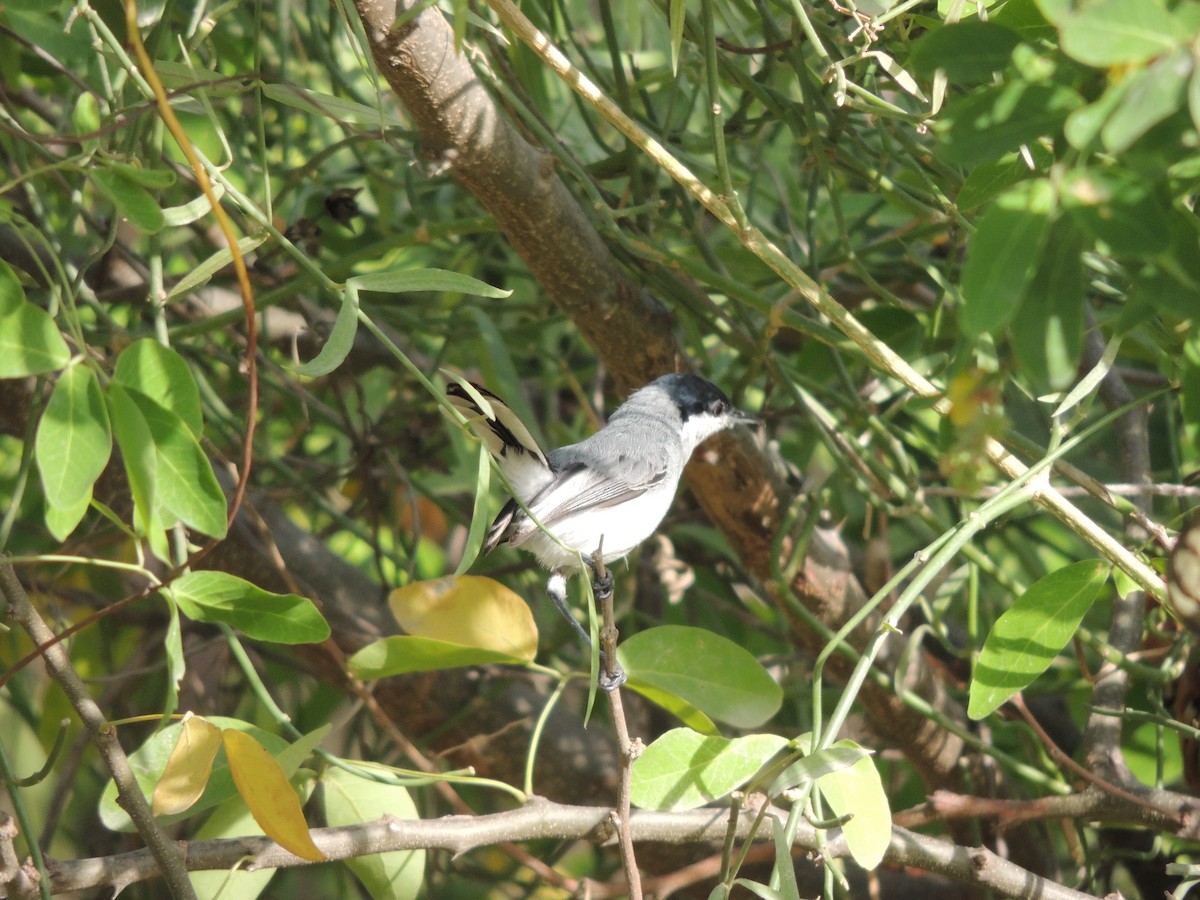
[(269, 795), (162, 375), (30, 343), (351, 799), (188, 767), (469, 610), (712, 673), (400, 654), (858, 790), (684, 769), (259, 614), (137, 453), (150, 760), (1003, 256), (187, 488), (73, 443), (1025, 640)]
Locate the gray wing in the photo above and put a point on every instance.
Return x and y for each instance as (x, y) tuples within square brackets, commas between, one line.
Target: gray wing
[(576, 487)]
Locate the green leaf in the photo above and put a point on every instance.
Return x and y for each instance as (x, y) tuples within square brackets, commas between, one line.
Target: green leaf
[(350, 799), (137, 454), (72, 447), (678, 18), (30, 343), (12, 295), (132, 200), (710, 672), (1002, 256), (683, 769), (262, 615), (969, 51), (186, 487), (155, 179), (1111, 32), (1047, 333), (161, 374), (398, 281), (858, 790), (400, 654), (817, 765), (1116, 207), (339, 109), (203, 273), (1027, 637), (340, 341), (987, 123), (1152, 95)]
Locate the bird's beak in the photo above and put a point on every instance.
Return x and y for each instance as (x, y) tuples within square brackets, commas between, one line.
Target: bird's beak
[(741, 418)]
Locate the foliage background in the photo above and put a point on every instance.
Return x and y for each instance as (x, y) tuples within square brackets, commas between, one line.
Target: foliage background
[(997, 191)]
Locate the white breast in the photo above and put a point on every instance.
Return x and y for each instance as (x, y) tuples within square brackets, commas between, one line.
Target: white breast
[(623, 527)]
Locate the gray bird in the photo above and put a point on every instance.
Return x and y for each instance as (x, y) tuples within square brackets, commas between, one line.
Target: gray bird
[(616, 486)]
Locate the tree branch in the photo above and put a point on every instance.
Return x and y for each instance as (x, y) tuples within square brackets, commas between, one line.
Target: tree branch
[(540, 819), (167, 855)]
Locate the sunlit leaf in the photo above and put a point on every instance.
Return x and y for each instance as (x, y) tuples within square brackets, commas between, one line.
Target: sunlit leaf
[(1031, 632), (220, 597), (858, 790), (186, 487), (30, 343), (271, 798), (188, 768), (395, 281), (683, 769), (137, 454), (150, 759), (132, 200), (710, 672), (72, 447), (401, 654), (351, 799), (161, 374), (1003, 254), (1109, 32), (470, 610)]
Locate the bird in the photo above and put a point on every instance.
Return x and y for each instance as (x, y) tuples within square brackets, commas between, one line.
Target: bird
[(610, 491)]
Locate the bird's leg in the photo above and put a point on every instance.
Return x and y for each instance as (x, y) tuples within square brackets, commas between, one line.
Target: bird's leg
[(556, 588)]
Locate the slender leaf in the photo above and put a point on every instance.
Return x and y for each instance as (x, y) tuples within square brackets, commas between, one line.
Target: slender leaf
[(72, 447), (1027, 637)]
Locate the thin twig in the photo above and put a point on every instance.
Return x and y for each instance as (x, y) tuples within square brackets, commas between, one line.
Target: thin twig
[(628, 750), (167, 854)]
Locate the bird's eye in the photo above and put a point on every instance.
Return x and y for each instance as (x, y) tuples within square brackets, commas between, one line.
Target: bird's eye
[(717, 407)]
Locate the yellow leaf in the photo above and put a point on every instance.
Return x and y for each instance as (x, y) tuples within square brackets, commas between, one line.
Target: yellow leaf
[(188, 768), (266, 790), (468, 609)]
